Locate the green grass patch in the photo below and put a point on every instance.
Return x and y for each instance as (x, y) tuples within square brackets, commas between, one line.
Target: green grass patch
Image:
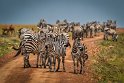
[(6, 44), (109, 65)]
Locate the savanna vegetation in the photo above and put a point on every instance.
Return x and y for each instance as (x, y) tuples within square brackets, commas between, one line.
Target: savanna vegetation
[(109, 62)]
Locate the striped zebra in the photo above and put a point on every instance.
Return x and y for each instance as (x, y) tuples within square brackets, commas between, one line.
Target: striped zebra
[(111, 32), (79, 55), (85, 29), (51, 55), (49, 38), (92, 30), (61, 43), (77, 32), (30, 43)]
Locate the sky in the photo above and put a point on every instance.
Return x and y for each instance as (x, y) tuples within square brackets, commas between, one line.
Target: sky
[(83, 11)]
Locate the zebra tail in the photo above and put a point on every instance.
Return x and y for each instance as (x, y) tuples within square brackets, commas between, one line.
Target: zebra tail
[(18, 51), (15, 48)]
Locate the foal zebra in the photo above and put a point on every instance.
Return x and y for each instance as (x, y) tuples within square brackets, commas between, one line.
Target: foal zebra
[(79, 55)]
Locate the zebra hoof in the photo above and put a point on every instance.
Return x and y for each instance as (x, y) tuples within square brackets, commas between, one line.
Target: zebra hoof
[(29, 66), (80, 72), (40, 66), (44, 66), (36, 66)]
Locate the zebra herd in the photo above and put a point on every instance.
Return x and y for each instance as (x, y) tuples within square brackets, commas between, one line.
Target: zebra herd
[(50, 44), (89, 29)]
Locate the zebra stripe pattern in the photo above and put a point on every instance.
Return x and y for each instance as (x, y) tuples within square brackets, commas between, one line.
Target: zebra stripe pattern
[(79, 55), (30, 43)]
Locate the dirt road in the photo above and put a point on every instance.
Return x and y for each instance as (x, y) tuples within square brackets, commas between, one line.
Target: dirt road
[(13, 71)]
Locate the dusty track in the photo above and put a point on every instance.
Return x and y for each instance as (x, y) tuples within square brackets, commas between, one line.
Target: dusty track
[(13, 71)]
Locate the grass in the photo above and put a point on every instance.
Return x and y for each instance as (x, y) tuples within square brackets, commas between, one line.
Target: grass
[(6, 44), (109, 65)]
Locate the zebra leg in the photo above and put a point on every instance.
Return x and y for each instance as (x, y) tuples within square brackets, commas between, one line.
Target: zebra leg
[(24, 61), (44, 61), (63, 61), (104, 37), (86, 34), (77, 64), (50, 63), (113, 37), (74, 65), (90, 34), (116, 36), (54, 61), (28, 61), (47, 63), (81, 64), (37, 60), (40, 60), (58, 63), (85, 57)]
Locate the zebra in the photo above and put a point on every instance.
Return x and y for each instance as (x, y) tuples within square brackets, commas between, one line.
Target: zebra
[(30, 43), (51, 55), (112, 32), (77, 32), (61, 43), (49, 38), (79, 55), (92, 30), (85, 29)]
